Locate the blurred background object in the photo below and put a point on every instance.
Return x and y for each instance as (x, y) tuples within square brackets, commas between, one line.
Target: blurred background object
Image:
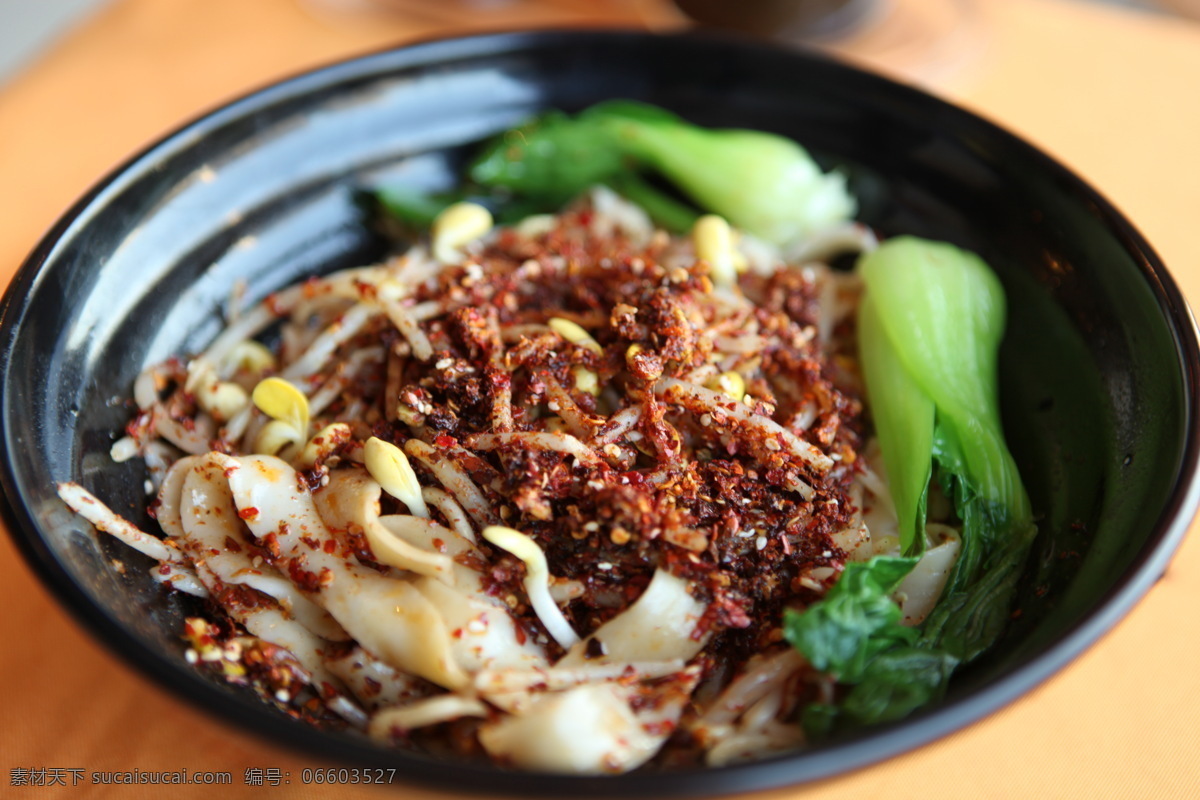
[(928, 42), (920, 41), (1185, 8), (931, 43), (924, 41), (807, 19)]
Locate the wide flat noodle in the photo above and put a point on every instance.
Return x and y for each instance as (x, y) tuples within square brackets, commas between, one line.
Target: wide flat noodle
[(387, 616), (352, 500), (374, 683), (609, 726), (483, 632), (483, 635), (423, 713), (591, 729), (588, 730), (921, 588), (213, 536), (170, 494), (209, 524), (744, 721), (658, 626)]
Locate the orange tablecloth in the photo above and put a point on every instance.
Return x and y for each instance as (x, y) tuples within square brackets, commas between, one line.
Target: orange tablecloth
[(1110, 92)]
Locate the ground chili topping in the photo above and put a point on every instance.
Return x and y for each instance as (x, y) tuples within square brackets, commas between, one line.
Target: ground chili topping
[(704, 490)]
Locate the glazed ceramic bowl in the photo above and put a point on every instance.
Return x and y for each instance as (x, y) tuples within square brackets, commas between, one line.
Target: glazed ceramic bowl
[(1099, 368)]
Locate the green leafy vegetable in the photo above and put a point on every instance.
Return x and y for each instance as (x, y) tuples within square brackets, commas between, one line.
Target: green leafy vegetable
[(897, 683), (763, 183), (942, 310), (552, 159), (856, 620), (854, 633), (412, 207), (903, 423), (936, 313), (929, 326)]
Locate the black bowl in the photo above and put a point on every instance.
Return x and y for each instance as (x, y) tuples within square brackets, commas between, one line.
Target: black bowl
[(1099, 366)]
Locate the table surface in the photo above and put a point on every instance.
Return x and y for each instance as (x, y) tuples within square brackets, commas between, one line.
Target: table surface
[(1110, 92)]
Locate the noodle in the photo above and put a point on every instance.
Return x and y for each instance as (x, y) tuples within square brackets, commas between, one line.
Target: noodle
[(547, 500)]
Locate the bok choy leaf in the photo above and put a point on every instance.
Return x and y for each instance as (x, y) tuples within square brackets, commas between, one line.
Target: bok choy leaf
[(856, 620), (854, 634)]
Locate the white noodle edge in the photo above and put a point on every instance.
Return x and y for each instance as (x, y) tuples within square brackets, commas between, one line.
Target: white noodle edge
[(86, 505), (423, 713)]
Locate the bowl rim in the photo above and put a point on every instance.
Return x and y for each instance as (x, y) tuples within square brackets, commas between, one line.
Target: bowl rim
[(809, 765)]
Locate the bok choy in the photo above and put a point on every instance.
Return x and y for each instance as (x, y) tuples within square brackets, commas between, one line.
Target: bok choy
[(930, 327), (760, 182)]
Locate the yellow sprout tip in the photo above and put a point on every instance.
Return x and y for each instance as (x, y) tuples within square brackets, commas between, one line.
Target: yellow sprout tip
[(456, 226), (732, 384), (282, 401), (574, 333), (390, 468), (714, 242)]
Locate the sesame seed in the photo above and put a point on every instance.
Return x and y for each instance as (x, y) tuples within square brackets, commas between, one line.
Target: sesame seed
[(760, 543), (445, 363)]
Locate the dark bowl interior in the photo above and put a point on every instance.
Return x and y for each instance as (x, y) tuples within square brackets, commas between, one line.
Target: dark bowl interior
[(1099, 366)]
